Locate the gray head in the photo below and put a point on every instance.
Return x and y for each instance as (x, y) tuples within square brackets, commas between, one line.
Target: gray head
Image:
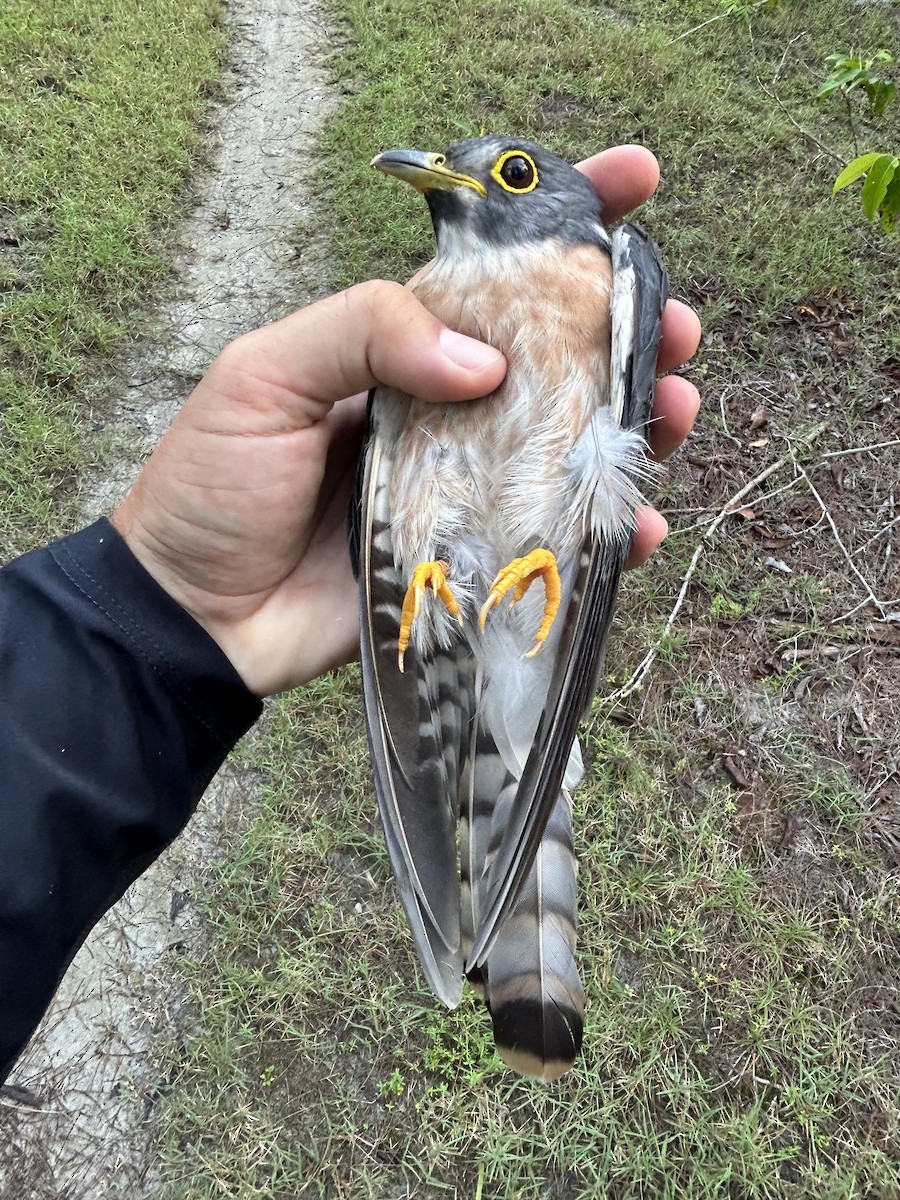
[(500, 190)]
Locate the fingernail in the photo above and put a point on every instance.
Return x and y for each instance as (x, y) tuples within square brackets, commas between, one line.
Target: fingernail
[(466, 351)]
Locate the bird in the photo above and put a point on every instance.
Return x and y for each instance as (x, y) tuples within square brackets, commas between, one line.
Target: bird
[(488, 539)]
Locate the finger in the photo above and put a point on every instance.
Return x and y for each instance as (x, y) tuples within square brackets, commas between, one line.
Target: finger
[(675, 407), (376, 332), (680, 336), (623, 177), (346, 429), (650, 529)]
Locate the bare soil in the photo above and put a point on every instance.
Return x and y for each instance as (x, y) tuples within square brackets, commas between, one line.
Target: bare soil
[(812, 552)]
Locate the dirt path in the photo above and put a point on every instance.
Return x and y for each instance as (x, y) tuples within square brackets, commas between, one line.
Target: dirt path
[(84, 1128)]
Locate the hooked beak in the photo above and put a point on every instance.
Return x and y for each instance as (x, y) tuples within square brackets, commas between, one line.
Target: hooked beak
[(426, 172)]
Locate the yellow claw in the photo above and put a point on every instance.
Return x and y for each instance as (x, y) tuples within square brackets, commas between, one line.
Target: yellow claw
[(427, 574), (518, 577)]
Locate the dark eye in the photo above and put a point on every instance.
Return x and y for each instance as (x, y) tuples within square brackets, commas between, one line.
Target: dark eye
[(515, 171), (518, 173)]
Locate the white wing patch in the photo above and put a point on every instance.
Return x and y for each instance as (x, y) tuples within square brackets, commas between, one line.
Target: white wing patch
[(622, 313), (603, 466)]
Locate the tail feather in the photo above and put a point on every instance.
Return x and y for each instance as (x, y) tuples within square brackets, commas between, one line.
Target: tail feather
[(533, 988), (489, 785)]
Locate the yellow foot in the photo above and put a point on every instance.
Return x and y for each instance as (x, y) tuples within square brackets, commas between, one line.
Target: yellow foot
[(519, 576), (428, 574)]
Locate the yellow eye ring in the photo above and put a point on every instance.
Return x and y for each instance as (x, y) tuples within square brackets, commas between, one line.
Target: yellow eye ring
[(530, 178)]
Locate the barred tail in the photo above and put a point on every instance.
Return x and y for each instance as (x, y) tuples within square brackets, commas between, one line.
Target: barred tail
[(533, 988)]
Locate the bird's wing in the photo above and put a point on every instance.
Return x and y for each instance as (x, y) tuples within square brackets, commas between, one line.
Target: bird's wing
[(638, 299), (418, 722)]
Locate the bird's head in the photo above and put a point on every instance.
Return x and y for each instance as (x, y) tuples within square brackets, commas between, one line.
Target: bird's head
[(499, 191)]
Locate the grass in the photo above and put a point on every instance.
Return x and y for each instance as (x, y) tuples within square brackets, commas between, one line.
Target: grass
[(727, 1045), (581, 76), (98, 127), (739, 939)]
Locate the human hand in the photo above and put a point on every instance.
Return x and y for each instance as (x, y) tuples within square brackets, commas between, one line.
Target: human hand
[(239, 513)]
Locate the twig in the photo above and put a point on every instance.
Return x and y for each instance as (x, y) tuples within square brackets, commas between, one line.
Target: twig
[(875, 536), (767, 496), (843, 549), (643, 668), (773, 95), (737, 441), (850, 122), (697, 28), (727, 510), (712, 20), (784, 57), (861, 449)]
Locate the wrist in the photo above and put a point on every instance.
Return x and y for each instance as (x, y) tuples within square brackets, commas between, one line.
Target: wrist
[(155, 561), (300, 625)]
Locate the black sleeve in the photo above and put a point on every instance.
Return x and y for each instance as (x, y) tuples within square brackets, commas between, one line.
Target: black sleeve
[(116, 709)]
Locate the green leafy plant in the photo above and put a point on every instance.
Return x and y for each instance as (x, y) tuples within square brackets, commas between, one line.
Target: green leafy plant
[(393, 1086), (849, 73), (881, 188)]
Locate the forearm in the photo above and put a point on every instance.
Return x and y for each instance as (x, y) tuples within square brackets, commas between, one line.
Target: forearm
[(116, 709)]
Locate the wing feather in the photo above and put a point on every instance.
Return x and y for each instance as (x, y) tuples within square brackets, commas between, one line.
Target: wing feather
[(409, 738)]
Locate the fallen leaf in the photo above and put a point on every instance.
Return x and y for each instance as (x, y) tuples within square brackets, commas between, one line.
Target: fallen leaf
[(621, 716), (759, 418), (734, 770), (790, 830), (20, 1095)]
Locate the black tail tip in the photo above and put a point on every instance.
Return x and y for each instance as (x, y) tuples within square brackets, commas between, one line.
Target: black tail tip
[(534, 1039)]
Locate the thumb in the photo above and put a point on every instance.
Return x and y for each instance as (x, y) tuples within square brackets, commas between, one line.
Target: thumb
[(376, 332)]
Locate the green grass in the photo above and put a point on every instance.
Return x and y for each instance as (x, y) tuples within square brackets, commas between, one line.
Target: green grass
[(744, 212), (727, 1043), (98, 125)]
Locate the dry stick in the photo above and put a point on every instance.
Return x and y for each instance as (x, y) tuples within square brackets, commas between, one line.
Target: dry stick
[(727, 510), (787, 51), (737, 441), (712, 21), (775, 492), (843, 549), (697, 28), (773, 95), (875, 536), (861, 449)]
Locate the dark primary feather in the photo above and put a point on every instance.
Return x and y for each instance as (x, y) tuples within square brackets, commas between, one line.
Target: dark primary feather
[(500, 903), (418, 811)]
